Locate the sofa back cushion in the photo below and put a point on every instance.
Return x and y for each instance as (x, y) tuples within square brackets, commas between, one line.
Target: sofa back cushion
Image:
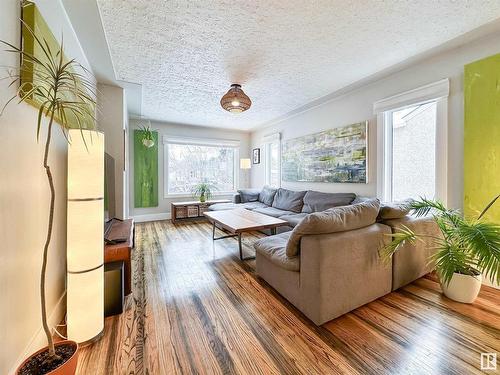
[(336, 219), (289, 200), (315, 201), (394, 210), (267, 194), (249, 195)]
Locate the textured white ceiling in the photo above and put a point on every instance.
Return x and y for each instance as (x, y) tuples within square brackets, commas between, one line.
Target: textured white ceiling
[(284, 53)]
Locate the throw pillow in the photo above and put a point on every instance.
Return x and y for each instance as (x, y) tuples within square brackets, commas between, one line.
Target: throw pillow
[(249, 195), (289, 200), (266, 196), (394, 210), (336, 219), (315, 201)]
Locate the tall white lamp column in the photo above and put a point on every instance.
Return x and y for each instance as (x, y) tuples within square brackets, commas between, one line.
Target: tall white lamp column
[(85, 240)]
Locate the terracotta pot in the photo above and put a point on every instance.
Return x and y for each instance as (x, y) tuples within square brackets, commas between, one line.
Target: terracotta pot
[(462, 288), (67, 368)]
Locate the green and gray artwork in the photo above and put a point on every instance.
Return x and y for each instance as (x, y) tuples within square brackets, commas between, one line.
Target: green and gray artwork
[(336, 155)]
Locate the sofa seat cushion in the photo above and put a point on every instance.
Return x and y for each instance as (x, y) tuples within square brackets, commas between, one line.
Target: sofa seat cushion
[(294, 219), (337, 219), (249, 195), (315, 201), (252, 205), (273, 248), (289, 200), (224, 206), (266, 196), (271, 211)]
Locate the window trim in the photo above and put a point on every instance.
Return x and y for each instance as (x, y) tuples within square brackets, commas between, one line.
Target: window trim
[(268, 141), (234, 144), (438, 92)]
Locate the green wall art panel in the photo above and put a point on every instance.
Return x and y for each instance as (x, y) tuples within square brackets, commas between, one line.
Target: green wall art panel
[(482, 136), (34, 21), (145, 171)]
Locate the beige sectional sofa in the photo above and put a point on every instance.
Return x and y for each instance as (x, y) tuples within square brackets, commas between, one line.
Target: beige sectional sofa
[(327, 262)]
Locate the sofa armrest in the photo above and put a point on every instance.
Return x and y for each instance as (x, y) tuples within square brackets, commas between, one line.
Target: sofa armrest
[(342, 271), (237, 198), (411, 261)]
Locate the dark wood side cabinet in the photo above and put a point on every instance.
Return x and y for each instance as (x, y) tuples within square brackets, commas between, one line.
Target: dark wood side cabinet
[(123, 250)]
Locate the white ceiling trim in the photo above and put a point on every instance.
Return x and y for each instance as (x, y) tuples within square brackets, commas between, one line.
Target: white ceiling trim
[(432, 91), (172, 139)]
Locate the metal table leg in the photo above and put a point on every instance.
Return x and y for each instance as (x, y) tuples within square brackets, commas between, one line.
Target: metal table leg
[(222, 237), (241, 249)]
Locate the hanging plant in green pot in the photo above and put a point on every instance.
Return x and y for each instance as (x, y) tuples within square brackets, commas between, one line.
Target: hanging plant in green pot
[(466, 249), (147, 135), (66, 97)]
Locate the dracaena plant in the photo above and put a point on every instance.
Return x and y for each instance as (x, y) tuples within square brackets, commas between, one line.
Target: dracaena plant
[(65, 94), (467, 245), (203, 191)]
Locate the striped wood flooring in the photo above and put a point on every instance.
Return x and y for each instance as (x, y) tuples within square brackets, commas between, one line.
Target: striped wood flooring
[(197, 309)]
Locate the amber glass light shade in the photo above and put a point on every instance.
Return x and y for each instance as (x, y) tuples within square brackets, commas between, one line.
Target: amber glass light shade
[(235, 100)]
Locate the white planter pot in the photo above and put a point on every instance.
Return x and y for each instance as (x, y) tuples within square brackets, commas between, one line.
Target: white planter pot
[(462, 288), (148, 143)]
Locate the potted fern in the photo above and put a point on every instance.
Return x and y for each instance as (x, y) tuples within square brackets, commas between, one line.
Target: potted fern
[(203, 191), (467, 248), (65, 94)]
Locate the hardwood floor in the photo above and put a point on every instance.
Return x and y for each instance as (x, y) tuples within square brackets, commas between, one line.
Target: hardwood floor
[(197, 309)]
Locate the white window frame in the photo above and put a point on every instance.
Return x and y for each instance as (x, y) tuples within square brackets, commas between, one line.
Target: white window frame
[(438, 92), (169, 139), (268, 141)]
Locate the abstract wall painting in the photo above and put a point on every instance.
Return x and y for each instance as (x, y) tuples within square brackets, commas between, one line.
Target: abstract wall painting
[(337, 155)]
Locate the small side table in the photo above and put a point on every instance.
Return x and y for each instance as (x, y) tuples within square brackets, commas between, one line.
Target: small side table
[(122, 250)]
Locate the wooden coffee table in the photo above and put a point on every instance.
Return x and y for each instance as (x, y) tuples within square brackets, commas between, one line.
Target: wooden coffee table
[(239, 221)]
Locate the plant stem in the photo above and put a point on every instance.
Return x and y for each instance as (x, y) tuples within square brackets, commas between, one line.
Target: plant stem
[(50, 340)]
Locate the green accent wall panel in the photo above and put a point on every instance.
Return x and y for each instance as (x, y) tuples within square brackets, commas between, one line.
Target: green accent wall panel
[(482, 136), (34, 20), (145, 172)]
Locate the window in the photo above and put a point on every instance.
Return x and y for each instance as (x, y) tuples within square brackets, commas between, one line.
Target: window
[(273, 160), (412, 144), (191, 162), (413, 152)]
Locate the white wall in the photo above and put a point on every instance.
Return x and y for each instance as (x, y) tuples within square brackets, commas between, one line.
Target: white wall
[(357, 105), (24, 202), (112, 119), (163, 209)]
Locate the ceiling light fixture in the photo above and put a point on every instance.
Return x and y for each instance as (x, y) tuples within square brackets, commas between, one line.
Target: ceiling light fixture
[(235, 100)]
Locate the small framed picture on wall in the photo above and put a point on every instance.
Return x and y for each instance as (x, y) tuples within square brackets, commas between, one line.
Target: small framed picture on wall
[(256, 156)]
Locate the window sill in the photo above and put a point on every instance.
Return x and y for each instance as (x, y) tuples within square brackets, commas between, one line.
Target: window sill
[(184, 195)]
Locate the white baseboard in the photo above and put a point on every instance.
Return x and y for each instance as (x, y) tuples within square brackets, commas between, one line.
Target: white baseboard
[(39, 340), (151, 217)]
